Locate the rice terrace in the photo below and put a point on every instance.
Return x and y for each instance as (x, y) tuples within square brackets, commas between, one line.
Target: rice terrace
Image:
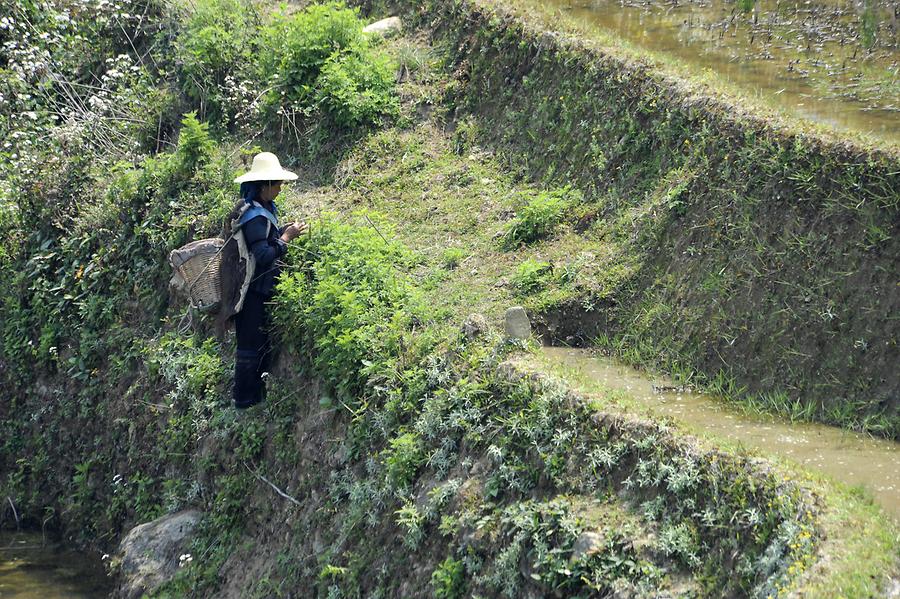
[(449, 298)]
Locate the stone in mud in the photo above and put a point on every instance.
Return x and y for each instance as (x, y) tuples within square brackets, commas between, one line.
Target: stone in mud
[(150, 553), (385, 27), (475, 326), (516, 324)]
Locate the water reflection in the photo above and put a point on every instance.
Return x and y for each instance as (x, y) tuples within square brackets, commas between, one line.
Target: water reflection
[(846, 456), (820, 60), (31, 569)]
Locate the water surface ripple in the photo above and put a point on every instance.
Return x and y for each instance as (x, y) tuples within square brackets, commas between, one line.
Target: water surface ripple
[(33, 569), (828, 61)]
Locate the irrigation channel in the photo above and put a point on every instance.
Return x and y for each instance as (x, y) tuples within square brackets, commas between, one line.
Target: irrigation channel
[(835, 62), (31, 568), (845, 456)]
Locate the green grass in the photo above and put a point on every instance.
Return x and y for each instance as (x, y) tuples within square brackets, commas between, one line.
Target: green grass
[(395, 431), (436, 198), (438, 195), (861, 544)]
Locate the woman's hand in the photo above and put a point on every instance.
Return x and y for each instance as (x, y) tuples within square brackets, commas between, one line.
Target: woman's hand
[(293, 231)]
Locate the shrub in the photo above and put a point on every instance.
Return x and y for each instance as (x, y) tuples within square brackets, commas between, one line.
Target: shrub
[(319, 60), (299, 45), (217, 43), (356, 89), (539, 216), (681, 541), (347, 303), (532, 275), (311, 64), (403, 459), (452, 257), (195, 147), (448, 579)]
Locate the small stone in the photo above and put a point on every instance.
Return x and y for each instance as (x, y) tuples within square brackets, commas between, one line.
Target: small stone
[(588, 543), (475, 326), (385, 27), (516, 324)]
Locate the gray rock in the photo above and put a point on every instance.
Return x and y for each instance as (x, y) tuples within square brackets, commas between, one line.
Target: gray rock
[(893, 589), (150, 553), (587, 543), (474, 327), (516, 324), (385, 27)]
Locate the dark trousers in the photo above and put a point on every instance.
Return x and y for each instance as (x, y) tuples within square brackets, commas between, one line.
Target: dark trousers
[(253, 353)]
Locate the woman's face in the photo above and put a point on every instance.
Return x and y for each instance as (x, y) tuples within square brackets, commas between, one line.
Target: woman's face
[(270, 192)]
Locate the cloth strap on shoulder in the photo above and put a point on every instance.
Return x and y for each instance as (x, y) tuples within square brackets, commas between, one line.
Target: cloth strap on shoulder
[(255, 210)]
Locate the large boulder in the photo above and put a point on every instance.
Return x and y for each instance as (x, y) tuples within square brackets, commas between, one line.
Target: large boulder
[(151, 553)]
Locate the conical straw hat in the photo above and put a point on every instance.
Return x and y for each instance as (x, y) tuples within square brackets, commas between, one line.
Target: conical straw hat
[(266, 167)]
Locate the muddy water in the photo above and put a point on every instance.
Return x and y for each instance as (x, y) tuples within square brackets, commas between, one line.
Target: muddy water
[(830, 61), (849, 457), (29, 569)]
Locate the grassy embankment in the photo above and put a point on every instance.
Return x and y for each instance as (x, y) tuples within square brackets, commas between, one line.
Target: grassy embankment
[(454, 203), (755, 257), (402, 438)]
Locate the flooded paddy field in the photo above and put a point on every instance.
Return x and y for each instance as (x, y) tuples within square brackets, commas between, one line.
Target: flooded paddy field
[(31, 568), (852, 458), (835, 62)]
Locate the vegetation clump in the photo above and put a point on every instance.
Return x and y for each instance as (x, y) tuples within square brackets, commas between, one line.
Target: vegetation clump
[(452, 257), (539, 215), (246, 69), (448, 579), (321, 58), (348, 304), (532, 275)]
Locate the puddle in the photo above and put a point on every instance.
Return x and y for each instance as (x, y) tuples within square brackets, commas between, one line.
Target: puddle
[(831, 61), (850, 457), (29, 569)]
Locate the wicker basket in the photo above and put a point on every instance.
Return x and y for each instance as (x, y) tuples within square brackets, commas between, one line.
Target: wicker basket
[(198, 265)]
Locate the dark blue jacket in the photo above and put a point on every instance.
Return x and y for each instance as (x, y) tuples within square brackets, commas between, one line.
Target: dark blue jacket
[(267, 249)]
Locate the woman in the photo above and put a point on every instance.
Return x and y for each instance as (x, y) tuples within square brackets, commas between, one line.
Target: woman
[(267, 242)]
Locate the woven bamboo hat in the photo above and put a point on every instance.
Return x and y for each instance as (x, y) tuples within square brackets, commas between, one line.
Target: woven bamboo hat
[(266, 167)]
